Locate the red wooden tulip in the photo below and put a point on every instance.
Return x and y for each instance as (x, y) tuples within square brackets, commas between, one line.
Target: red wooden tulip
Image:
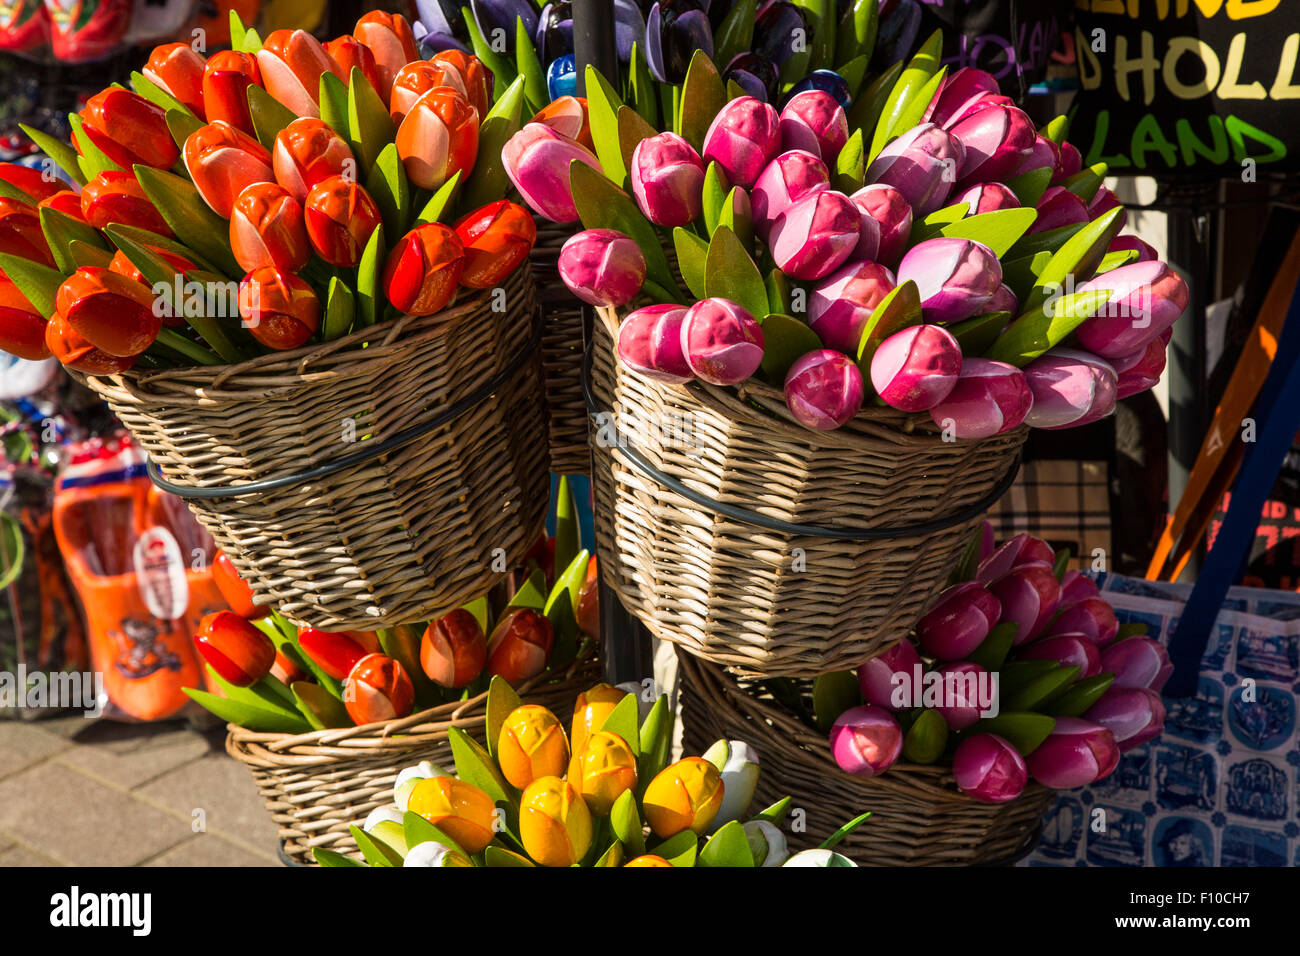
[(64, 201), (478, 78), (307, 152), (286, 671), (235, 649), (280, 310), (20, 232), (111, 311), (226, 79), (497, 239), (377, 689), (588, 609), (223, 161), (70, 348), (417, 78), (128, 129), (519, 645), (453, 649), (22, 328), (31, 181), (235, 590), (178, 70), (337, 652), (340, 217), (390, 39), (438, 138), (115, 196), (421, 274), (266, 229), (348, 52), (292, 63)]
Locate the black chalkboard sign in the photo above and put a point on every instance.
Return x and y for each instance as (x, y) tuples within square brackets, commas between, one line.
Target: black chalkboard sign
[(1011, 39)]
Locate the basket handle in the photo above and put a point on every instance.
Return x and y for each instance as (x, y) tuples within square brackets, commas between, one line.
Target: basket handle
[(745, 516), (404, 437)]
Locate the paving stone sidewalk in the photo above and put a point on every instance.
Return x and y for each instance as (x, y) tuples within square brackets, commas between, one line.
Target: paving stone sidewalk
[(79, 792)]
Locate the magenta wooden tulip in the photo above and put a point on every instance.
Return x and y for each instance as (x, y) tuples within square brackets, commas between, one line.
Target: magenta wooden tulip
[(1070, 389), (1004, 300), (1142, 370), (814, 121), (841, 304), (815, 235), (1133, 715), (1071, 162), (721, 341), (1146, 252), (650, 342), (996, 140), (1058, 208), (823, 389), (537, 161), (987, 197), (667, 180), (1103, 202), (915, 369), (1029, 595), (1075, 754), (785, 180), (876, 676), (956, 278), (961, 704), (960, 88), (923, 165), (1090, 616), (989, 398), (890, 210), (1077, 586), (1068, 650), (602, 267), (988, 769), (958, 622), (866, 740), (1138, 662), (743, 138), (1146, 298), (1044, 154), (1014, 553)]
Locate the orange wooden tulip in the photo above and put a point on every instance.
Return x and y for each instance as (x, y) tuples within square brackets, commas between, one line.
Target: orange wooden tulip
[(125, 267), (235, 649), (348, 52), (64, 201), (292, 62), (453, 649), (223, 162), (588, 609), (478, 78), (519, 645), (280, 310), (31, 181), (308, 151), (497, 239), (377, 688), (286, 671), (234, 590), (116, 196), (590, 711), (647, 859), (109, 310), (459, 809), (686, 795), (340, 217), (422, 271), (20, 232), (22, 328), (531, 744), (554, 822), (266, 229), (129, 129), (567, 115), (76, 353), (390, 39), (337, 652), (178, 70), (417, 78), (438, 138), (226, 79)]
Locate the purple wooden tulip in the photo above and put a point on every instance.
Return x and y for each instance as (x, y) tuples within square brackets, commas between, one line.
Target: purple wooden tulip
[(815, 235), (1043, 155), (1070, 163), (1138, 662), (1090, 616), (956, 278), (989, 398), (1030, 595), (961, 704), (783, 181), (1070, 389), (755, 74), (537, 161), (667, 180), (1075, 754), (1058, 207), (1015, 552), (1146, 252), (674, 30), (492, 16), (1146, 298), (988, 769), (958, 89), (1068, 650), (1133, 715), (890, 208), (1077, 586), (1143, 372), (841, 304), (823, 389), (922, 164), (743, 138), (1103, 202), (876, 676), (721, 341), (602, 267), (775, 27), (1004, 300), (997, 141), (866, 740), (958, 622), (915, 369), (650, 342), (987, 197), (814, 121)]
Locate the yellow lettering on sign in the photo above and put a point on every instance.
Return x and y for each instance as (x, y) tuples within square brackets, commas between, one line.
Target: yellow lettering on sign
[(1209, 64), (1089, 65), (1135, 8), (1244, 9), (1146, 64), (1230, 88), (1283, 88), (1208, 8), (1108, 6)]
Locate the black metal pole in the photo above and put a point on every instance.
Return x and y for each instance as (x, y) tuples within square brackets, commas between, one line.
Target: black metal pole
[(625, 643)]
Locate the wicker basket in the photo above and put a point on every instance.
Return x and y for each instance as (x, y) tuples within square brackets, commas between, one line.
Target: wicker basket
[(316, 784), (561, 353), (918, 817), (754, 542), (393, 467)]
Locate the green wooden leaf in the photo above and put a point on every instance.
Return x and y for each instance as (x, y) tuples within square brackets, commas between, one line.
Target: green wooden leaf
[(1078, 257), (1049, 240), (370, 127), (602, 114), (500, 856), (155, 94), (532, 593), (623, 721), (185, 212), (1061, 564), (118, 232), (181, 125), (1023, 730), (730, 273), (329, 858), (780, 298), (334, 104), (566, 524), (501, 68), (993, 650), (64, 156), (728, 847), (602, 205), (836, 838), (924, 741), (897, 310), (248, 716), (612, 857), (679, 850), (645, 96), (488, 180), (388, 187), (320, 708), (854, 73), (656, 742), (703, 97), (237, 30), (1029, 187), (692, 252), (1045, 327), (11, 549), (501, 703), (631, 130), (38, 283), (736, 32), (1076, 700), (850, 165), (529, 68), (1130, 629), (84, 254), (9, 191), (857, 32), (715, 195), (269, 115), (1086, 182), (60, 229), (419, 830), (742, 222), (976, 335), (376, 852), (913, 113), (776, 812), (822, 17), (1113, 260), (93, 160), (370, 297), (252, 41), (340, 310), (1057, 130), (866, 110), (906, 91), (625, 820), (560, 609), (1020, 274), (998, 230), (785, 341), (1039, 689), (474, 765), (833, 694), (436, 208)]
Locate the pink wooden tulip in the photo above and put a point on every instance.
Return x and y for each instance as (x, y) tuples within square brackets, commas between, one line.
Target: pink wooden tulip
[(743, 138), (1138, 662), (1077, 586), (823, 389), (1141, 371), (1146, 252), (988, 769), (956, 278), (1015, 552), (866, 740), (1070, 389), (815, 235), (1068, 650), (1075, 754), (537, 161), (814, 121), (915, 369), (1090, 616), (890, 209), (987, 197), (650, 342), (1057, 208), (722, 343), (841, 304), (876, 676), (667, 180), (958, 622), (996, 141), (1029, 596), (989, 398), (961, 705), (1133, 715), (1146, 298), (923, 165), (786, 179), (602, 267), (959, 89)]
